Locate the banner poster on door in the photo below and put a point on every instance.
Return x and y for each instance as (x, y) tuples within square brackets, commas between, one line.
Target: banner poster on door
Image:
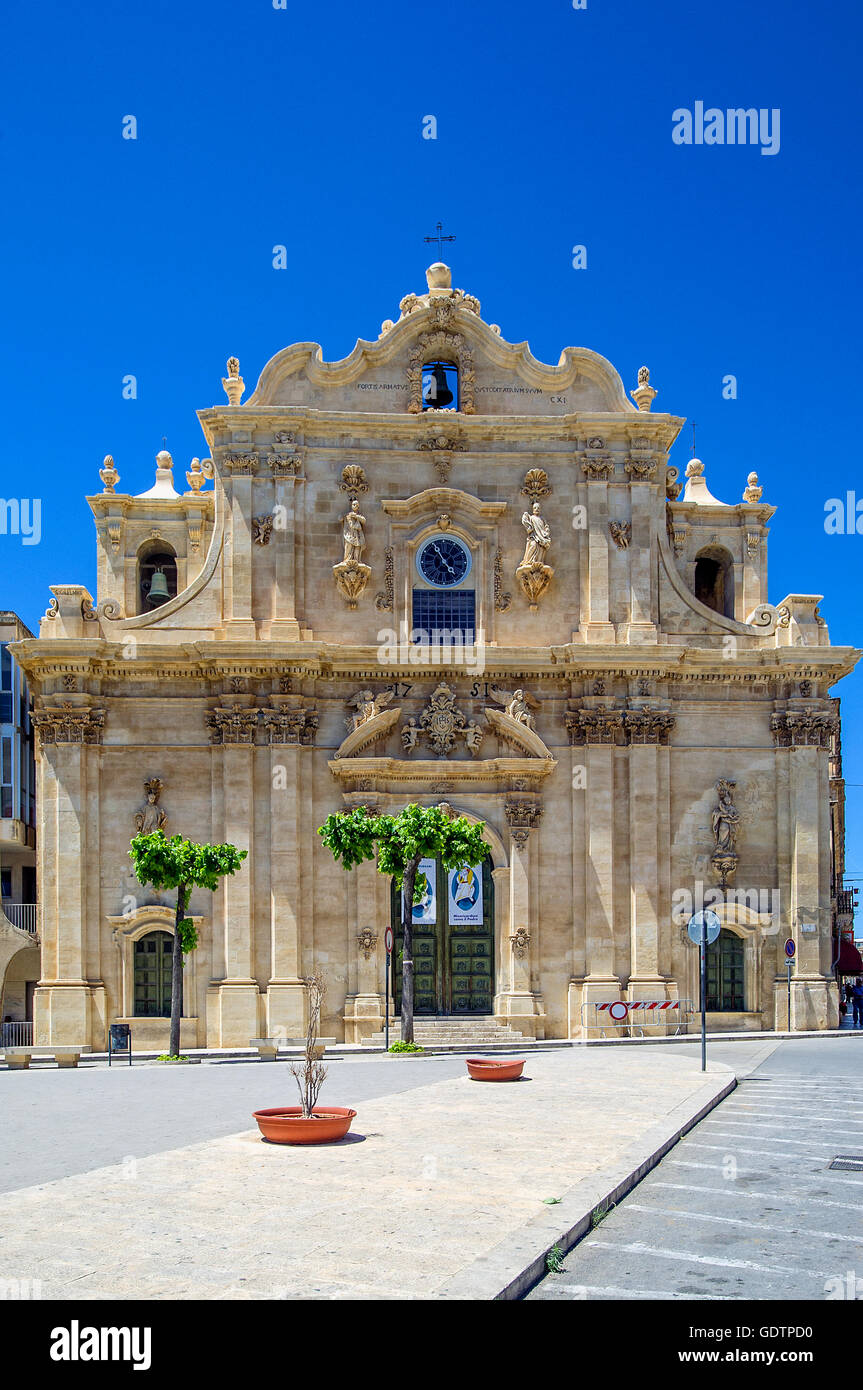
[(464, 891), (425, 911)]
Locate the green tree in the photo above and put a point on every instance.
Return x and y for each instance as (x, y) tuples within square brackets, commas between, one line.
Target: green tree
[(400, 842), (181, 864)]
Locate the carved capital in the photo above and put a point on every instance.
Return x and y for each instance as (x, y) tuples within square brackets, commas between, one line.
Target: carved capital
[(290, 726), (797, 730), (69, 724), (232, 725), (523, 815), (242, 465), (648, 726)]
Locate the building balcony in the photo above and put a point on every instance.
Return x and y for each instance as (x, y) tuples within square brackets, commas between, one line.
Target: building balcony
[(24, 916)]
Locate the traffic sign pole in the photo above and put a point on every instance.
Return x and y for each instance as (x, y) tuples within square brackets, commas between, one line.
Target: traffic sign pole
[(703, 993), (790, 953), (389, 943)]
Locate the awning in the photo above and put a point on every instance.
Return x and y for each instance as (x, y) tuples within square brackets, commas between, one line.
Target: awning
[(850, 961)]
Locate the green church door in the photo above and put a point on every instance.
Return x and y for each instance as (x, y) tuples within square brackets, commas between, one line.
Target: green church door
[(453, 943)]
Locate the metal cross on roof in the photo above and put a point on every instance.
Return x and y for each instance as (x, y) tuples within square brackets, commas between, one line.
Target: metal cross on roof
[(439, 238)]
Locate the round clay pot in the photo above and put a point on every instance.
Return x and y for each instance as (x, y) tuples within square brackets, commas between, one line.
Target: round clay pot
[(492, 1069), (285, 1124)]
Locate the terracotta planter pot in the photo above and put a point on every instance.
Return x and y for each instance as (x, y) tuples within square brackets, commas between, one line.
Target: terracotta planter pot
[(490, 1069), (285, 1124)]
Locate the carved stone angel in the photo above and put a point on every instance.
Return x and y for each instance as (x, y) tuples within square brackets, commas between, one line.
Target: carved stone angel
[(366, 706), (516, 704)]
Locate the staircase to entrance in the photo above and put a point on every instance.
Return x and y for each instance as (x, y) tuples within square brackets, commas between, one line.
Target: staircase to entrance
[(479, 1030)]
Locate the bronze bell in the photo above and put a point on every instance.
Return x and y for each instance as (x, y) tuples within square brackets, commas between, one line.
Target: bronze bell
[(158, 588), (438, 395)]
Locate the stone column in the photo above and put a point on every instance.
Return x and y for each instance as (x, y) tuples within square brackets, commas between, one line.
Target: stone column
[(803, 738), (601, 729), (642, 627), (238, 569), (648, 850), (232, 730), (598, 468), (518, 1003), (67, 782), (287, 468)]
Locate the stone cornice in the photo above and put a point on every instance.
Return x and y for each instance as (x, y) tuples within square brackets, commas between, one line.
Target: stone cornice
[(502, 771), (210, 662), (449, 499)]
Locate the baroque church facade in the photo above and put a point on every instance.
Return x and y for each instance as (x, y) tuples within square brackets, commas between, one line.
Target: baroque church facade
[(437, 571)]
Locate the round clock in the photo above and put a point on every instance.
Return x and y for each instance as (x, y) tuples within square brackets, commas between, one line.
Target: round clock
[(443, 561)]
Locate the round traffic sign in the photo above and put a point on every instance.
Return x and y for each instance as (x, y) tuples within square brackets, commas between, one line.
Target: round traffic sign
[(618, 1011), (708, 919), (389, 940), (790, 948)]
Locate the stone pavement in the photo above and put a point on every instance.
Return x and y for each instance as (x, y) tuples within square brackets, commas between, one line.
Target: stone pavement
[(439, 1192)]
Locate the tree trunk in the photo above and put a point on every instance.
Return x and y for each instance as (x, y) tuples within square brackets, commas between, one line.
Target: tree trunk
[(408, 882), (177, 975)]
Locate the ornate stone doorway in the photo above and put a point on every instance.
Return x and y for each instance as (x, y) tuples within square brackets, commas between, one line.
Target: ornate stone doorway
[(453, 959)]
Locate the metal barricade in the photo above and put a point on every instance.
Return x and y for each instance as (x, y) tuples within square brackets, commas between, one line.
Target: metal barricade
[(630, 1017)]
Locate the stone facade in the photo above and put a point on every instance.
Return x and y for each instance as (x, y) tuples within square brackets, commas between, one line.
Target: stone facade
[(630, 717)]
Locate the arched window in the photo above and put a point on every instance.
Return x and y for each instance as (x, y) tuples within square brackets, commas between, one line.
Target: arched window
[(714, 580), (152, 971), (157, 577), (725, 973), (440, 385)]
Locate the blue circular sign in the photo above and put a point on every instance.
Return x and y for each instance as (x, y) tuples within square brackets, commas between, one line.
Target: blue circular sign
[(790, 949), (698, 921)]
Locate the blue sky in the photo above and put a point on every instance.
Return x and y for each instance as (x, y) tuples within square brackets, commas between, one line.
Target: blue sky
[(302, 127)]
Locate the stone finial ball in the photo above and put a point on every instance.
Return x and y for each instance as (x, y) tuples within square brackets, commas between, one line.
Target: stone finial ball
[(694, 468), (164, 460), (752, 480), (439, 276)]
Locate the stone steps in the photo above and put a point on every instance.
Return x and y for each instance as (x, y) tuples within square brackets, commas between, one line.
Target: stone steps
[(442, 1032)]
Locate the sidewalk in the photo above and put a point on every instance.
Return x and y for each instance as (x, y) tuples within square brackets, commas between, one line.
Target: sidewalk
[(439, 1192)]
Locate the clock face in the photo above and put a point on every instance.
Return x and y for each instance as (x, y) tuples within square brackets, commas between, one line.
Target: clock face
[(443, 561)]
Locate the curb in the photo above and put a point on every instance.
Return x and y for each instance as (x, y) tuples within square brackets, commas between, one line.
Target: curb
[(512, 1268)]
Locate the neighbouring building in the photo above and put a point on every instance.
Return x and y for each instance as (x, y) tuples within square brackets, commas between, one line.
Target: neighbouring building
[(438, 571), (19, 927)]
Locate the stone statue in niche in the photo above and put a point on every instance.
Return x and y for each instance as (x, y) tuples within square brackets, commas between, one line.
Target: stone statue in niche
[(352, 575), (533, 574), (725, 821), (353, 534), (151, 816)]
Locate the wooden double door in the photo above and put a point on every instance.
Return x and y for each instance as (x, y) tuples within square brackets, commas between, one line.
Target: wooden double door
[(453, 959)]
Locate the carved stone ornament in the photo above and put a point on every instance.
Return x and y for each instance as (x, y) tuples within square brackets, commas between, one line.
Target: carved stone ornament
[(366, 706), (619, 727), (232, 725), (517, 705), (351, 579), (644, 393), (384, 599), (599, 686), (597, 468), (233, 383), (522, 817), (285, 465), (353, 479), (679, 536), (805, 689), (799, 730), (502, 601), (520, 940), (725, 821), (262, 529), (151, 816), (290, 726), (639, 470), (69, 724), (752, 492), (595, 442), (673, 488), (284, 438), (621, 533), (196, 476), (244, 465), (753, 540), (448, 443), (441, 724), (367, 941), (108, 473), (536, 484)]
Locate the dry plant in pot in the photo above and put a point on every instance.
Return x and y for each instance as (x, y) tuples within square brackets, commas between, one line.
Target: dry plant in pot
[(308, 1122)]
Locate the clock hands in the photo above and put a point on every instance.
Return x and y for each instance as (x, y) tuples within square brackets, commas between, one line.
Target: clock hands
[(443, 559)]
